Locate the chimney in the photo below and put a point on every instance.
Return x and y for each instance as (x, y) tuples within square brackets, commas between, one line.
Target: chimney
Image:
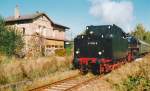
[(17, 15)]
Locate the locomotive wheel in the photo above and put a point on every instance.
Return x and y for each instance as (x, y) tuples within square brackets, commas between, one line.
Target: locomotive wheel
[(95, 69), (84, 69), (83, 72), (102, 68)]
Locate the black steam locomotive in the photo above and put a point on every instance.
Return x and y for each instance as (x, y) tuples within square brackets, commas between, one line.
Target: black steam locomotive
[(102, 48)]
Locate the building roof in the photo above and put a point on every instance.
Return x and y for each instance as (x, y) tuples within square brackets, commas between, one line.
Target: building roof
[(32, 17)]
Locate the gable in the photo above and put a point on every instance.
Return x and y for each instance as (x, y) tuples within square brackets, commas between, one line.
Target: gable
[(43, 21)]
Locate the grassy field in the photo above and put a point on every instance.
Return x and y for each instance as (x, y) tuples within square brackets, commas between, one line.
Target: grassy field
[(36, 70), (134, 76)]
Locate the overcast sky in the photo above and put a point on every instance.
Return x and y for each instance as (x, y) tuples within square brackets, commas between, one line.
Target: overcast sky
[(76, 14)]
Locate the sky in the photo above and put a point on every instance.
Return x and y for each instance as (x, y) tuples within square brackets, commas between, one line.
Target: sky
[(77, 14)]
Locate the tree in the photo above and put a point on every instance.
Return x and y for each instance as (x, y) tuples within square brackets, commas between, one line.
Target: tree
[(147, 37), (10, 42), (141, 33)]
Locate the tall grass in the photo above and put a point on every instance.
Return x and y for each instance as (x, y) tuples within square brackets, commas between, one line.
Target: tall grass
[(134, 76), (18, 70)]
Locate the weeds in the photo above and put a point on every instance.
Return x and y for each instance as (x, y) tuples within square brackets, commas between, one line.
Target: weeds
[(137, 84), (134, 76), (16, 70)]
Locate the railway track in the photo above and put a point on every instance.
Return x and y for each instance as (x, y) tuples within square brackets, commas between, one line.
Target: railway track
[(67, 84)]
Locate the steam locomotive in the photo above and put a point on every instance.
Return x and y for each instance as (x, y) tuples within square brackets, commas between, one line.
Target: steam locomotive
[(101, 49)]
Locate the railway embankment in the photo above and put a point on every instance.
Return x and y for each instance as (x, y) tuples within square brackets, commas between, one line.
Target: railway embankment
[(134, 76)]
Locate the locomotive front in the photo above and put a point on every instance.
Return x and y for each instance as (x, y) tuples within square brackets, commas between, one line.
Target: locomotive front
[(89, 48)]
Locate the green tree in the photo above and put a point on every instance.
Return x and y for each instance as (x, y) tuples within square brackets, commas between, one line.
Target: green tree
[(10, 42), (139, 32)]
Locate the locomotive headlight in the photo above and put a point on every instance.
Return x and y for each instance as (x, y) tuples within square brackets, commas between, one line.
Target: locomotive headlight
[(91, 32), (87, 28), (77, 52), (82, 37), (100, 53)]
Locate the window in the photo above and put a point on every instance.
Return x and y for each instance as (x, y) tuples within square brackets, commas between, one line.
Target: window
[(48, 46), (39, 26), (44, 31), (56, 46), (61, 46), (23, 31)]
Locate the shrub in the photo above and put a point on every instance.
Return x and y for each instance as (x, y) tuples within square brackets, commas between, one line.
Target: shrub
[(10, 42), (69, 51), (134, 84), (60, 52)]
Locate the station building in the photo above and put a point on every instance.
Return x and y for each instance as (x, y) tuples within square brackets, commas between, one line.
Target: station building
[(38, 26)]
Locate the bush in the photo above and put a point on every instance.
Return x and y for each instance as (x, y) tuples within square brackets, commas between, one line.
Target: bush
[(69, 51), (10, 42), (60, 52)]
